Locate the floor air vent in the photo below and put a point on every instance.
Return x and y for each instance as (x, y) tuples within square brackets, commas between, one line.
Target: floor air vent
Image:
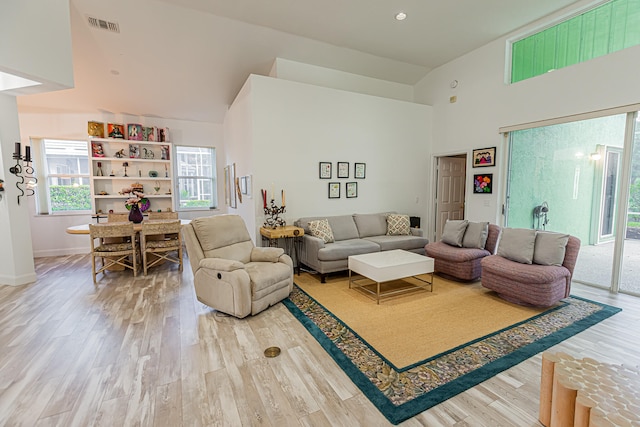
[(103, 25)]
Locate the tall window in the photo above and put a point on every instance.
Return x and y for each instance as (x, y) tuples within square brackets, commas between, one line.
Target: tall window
[(66, 172), (608, 28), (195, 175)]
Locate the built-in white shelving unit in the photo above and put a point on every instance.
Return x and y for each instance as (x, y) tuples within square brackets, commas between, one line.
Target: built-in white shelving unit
[(152, 169)]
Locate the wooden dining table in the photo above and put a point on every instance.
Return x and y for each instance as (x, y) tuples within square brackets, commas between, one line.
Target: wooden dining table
[(84, 228)]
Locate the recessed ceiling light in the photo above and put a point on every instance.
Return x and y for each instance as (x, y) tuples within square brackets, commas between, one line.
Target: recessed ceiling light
[(401, 16)]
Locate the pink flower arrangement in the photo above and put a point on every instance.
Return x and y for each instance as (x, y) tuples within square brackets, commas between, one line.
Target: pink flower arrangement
[(135, 197)]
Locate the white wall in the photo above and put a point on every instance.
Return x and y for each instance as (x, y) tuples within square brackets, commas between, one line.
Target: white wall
[(49, 237), (27, 54), (320, 76), (297, 125), (485, 103)]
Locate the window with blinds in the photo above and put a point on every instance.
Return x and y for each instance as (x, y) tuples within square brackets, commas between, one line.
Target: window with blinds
[(608, 28)]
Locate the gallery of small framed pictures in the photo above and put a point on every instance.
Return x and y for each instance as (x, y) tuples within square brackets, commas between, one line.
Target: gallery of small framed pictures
[(343, 170), (131, 132)]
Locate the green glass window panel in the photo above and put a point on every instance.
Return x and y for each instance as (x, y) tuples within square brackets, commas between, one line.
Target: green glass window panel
[(549, 43), (608, 28)]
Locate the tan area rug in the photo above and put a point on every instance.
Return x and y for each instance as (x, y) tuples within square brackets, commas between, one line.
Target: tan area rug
[(409, 328)]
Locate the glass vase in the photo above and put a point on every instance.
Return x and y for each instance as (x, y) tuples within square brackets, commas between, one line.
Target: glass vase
[(135, 215)]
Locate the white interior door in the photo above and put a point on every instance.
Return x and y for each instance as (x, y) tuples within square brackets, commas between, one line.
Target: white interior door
[(450, 190)]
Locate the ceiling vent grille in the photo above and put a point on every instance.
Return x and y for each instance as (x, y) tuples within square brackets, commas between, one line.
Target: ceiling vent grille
[(103, 25)]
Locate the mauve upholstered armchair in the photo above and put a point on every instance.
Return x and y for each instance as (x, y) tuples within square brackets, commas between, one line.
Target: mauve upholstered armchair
[(531, 284), (230, 273), (459, 262)]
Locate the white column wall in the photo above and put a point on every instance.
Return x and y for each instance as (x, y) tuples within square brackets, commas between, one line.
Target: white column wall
[(16, 259)]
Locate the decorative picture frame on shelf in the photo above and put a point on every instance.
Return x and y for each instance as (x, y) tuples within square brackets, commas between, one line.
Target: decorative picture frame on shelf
[(134, 132), (334, 190), (359, 170), (483, 183), (115, 130), (343, 169), (484, 157), (134, 151), (351, 188), (148, 133), (95, 129), (325, 170), (96, 149), (165, 152)]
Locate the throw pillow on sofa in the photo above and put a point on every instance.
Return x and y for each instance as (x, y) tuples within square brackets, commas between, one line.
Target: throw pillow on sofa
[(550, 248), (517, 244), (321, 229), (398, 225), (453, 232), (475, 236)]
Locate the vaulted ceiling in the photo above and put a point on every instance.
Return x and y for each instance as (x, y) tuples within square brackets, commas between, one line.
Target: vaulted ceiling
[(187, 59)]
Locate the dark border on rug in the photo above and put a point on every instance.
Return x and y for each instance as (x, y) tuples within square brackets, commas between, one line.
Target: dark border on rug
[(396, 414)]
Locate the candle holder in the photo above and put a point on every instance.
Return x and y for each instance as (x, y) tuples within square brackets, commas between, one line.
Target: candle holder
[(24, 172), (273, 220)]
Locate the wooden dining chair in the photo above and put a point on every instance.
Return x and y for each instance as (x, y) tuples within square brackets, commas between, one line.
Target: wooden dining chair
[(123, 253), (168, 248), (117, 217), (163, 215), (154, 216)]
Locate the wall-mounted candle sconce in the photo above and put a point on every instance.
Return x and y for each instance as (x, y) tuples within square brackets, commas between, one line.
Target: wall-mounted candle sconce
[(23, 172)]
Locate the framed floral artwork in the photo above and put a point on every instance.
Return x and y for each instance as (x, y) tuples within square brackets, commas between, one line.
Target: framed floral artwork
[(484, 157), (359, 170), (325, 170), (334, 190), (483, 184), (343, 169)]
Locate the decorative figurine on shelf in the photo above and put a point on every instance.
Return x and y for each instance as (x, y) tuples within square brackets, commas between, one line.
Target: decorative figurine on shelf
[(120, 154), (273, 220), (99, 171)]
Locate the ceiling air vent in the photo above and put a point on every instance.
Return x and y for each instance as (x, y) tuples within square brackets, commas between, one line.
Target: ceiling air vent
[(103, 25)]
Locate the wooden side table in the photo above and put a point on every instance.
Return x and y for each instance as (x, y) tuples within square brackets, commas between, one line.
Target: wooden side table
[(292, 237)]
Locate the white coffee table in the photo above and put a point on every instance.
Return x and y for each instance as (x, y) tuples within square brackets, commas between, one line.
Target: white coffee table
[(390, 265)]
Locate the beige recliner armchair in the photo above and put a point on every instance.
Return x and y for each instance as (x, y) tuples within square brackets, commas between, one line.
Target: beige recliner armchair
[(232, 275)]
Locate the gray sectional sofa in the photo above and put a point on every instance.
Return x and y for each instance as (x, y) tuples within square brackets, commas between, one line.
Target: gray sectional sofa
[(353, 235)]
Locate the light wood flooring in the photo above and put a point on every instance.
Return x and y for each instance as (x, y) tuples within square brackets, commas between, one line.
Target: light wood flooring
[(144, 352)]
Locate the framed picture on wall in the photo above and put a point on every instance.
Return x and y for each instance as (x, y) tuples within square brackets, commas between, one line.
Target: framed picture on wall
[(352, 190), (359, 170), (334, 190), (343, 169), (484, 157), (483, 184), (325, 170)]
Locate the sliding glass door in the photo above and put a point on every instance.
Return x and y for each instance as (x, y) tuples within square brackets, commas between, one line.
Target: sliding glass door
[(630, 270), (569, 178)]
